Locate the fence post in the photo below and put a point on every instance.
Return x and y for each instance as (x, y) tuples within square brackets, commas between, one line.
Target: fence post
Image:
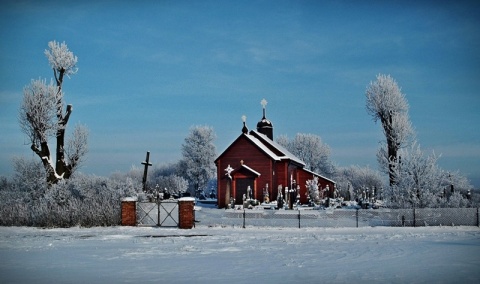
[(158, 213), (414, 218), (356, 216), (299, 219), (478, 218), (244, 218)]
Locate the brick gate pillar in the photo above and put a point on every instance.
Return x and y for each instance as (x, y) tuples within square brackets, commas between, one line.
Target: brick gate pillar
[(129, 211), (186, 213)]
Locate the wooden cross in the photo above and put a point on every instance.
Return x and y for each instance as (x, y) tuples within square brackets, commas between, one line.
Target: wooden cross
[(147, 164)]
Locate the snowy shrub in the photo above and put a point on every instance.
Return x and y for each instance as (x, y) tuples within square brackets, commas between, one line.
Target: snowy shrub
[(29, 176), (13, 208), (83, 200), (457, 200)]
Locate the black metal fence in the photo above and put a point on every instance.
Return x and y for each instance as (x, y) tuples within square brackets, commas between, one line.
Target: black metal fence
[(341, 217)]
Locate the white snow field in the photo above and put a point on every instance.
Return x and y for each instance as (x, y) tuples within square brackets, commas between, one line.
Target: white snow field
[(224, 254)]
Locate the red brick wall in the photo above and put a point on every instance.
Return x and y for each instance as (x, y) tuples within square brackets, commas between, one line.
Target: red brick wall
[(186, 213), (129, 213)]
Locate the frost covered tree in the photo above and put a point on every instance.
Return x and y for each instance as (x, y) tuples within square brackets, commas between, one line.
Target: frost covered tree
[(165, 170), (43, 115), (386, 102), (353, 180), (415, 178), (420, 182), (311, 150), (198, 155), (167, 176), (172, 184)]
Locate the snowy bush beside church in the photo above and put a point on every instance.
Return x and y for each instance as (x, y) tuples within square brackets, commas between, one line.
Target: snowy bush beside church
[(26, 200)]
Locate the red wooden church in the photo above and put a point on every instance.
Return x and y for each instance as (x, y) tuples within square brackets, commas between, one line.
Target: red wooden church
[(254, 159)]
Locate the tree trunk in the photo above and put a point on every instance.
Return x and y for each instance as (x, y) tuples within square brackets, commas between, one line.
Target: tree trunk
[(387, 122), (44, 154), (61, 166), (392, 157)]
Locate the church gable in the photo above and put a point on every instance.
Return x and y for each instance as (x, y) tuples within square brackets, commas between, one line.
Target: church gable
[(246, 143)]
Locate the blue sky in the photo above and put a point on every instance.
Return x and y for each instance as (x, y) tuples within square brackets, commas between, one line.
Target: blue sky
[(149, 70)]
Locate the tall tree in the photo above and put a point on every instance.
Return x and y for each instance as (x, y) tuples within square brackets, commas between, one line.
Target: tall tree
[(385, 102), (42, 116), (311, 150), (199, 151)]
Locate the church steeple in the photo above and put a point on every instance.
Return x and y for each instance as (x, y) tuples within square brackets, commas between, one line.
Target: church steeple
[(265, 126)]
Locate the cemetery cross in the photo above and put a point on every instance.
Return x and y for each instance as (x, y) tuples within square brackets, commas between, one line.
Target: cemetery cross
[(147, 164)]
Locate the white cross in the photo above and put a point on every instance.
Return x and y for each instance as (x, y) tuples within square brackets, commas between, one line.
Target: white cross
[(264, 103), (229, 170)]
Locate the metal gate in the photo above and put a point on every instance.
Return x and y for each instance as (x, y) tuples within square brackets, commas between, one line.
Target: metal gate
[(163, 213)]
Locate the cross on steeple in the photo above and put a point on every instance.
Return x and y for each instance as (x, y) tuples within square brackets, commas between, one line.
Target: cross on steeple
[(264, 104), (147, 164)]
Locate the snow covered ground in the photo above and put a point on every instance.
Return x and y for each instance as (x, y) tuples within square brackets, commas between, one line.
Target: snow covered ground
[(224, 254)]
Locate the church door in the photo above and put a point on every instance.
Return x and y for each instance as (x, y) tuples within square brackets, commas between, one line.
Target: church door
[(241, 185)]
